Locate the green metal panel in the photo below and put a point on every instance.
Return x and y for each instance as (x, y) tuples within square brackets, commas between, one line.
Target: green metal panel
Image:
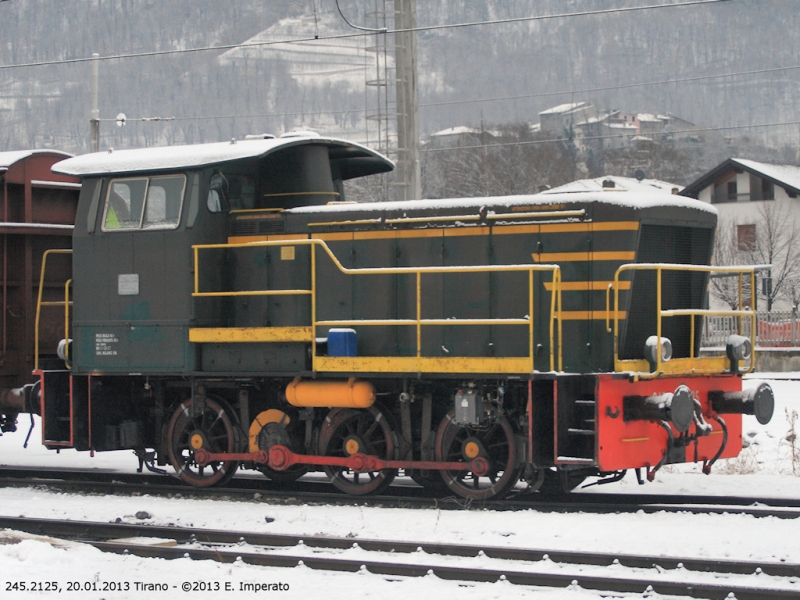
[(375, 296), (467, 296), (421, 252)]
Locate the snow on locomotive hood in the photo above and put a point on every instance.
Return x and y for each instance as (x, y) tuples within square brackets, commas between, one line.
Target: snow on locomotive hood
[(652, 199), (354, 159)]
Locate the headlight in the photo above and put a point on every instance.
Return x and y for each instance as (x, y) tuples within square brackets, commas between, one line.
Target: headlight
[(651, 349), (738, 348)]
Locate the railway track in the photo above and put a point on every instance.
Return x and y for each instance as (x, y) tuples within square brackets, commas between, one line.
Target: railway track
[(402, 496), (612, 573)]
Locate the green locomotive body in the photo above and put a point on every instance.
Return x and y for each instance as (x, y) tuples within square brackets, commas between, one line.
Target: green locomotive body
[(231, 307)]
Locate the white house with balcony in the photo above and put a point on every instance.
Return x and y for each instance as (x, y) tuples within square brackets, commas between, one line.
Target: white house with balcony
[(759, 212), (739, 188)]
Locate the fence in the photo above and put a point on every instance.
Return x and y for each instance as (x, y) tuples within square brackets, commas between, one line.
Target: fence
[(775, 329)]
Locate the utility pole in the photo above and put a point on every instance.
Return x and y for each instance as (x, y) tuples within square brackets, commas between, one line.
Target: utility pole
[(94, 121), (408, 162)]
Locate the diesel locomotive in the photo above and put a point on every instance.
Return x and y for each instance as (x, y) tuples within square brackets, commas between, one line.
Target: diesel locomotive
[(229, 308)]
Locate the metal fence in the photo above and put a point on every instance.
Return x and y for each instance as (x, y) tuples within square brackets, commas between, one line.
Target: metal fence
[(775, 329)]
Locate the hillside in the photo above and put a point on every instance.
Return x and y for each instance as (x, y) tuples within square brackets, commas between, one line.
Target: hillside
[(319, 84)]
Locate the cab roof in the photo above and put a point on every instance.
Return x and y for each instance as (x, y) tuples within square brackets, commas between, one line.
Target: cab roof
[(352, 159)]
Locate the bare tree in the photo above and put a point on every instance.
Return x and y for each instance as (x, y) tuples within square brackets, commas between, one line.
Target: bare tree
[(769, 238), (510, 160)]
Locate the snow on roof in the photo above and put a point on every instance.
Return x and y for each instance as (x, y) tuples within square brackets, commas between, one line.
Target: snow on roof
[(9, 158), (647, 117), (459, 130), (563, 108), (622, 126), (788, 174), (625, 184), (648, 194), (199, 155)]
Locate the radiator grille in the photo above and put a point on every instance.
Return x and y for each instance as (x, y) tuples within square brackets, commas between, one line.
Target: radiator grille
[(257, 227), (680, 289)]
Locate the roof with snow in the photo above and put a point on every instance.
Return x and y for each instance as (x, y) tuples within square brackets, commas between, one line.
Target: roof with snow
[(648, 194), (564, 108), (354, 159), (7, 159), (459, 130), (621, 184), (785, 176)]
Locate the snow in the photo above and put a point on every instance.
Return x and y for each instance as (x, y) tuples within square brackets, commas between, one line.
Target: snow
[(765, 469), (789, 174), (460, 130), (646, 186), (563, 108), (557, 196), (9, 158), (197, 155)]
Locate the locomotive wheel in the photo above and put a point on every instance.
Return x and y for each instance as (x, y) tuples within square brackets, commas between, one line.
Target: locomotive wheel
[(494, 442), (273, 427), (210, 425), (346, 431)]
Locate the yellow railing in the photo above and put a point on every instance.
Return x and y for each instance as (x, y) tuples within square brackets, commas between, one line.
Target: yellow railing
[(66, 303), (692, 364), (386, 363)]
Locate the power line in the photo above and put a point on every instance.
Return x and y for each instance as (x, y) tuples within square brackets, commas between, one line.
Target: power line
[(608, 137), (362, 34), (503, 98), (624, 86)]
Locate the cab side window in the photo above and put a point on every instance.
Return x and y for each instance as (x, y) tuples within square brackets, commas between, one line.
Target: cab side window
[(164, 195), (144, 203), (217, 193), (230, 191)]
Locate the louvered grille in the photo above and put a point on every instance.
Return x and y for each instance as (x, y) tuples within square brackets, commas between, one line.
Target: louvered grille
[(257, 227), (680, 289)]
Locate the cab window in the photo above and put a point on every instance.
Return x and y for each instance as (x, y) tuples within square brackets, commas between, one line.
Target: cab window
[(144, 203), (230, 191)]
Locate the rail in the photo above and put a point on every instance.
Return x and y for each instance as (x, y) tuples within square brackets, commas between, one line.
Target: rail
[(66, 303), (693, 364), (308, 333)]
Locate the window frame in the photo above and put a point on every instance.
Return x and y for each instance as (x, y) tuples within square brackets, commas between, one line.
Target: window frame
[(141, 226), (746, 237)]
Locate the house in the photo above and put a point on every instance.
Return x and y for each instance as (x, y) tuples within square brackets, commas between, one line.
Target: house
[(738, 180), (561, 120), (759, 212), (459, 137)]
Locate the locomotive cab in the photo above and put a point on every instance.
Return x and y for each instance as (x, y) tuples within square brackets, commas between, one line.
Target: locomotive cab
[(140, 213), (136, 227)]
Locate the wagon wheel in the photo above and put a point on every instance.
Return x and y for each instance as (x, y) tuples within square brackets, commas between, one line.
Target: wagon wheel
[(348, 431), (207, 424), (495, 442)]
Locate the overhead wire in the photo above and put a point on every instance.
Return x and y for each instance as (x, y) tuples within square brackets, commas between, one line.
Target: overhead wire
[(608, 88), (591, 90), (607, 137), (303, 40)]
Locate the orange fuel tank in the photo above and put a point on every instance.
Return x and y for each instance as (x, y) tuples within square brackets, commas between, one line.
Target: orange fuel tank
[(353, 393)]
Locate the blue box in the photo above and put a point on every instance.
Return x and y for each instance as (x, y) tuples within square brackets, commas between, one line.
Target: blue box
[(342, 342)]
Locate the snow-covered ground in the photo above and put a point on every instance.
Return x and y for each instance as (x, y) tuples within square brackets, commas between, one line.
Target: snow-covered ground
[(765, 469)]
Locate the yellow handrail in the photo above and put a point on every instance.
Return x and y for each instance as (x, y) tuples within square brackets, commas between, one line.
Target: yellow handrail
[(39, 304), (556, 359), (619, 365)]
